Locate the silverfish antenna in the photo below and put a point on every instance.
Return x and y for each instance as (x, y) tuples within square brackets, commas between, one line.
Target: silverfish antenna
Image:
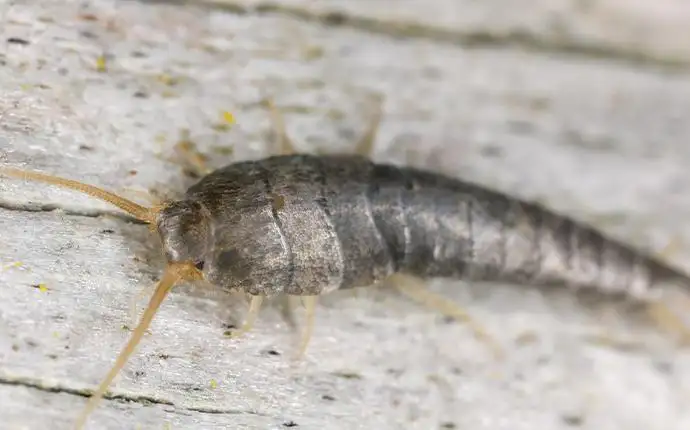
[(174, 273), (142, 213)]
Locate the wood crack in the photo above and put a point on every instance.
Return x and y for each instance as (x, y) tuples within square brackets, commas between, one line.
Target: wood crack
[(37, 384)]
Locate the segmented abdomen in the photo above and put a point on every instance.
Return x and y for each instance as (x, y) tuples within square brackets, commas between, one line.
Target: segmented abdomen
[(449, 228), (430, 225)]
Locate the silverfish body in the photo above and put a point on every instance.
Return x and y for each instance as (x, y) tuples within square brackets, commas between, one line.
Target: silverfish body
[(308, 225)]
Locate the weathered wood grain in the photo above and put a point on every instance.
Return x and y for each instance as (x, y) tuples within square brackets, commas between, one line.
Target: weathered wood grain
[(605, 140)]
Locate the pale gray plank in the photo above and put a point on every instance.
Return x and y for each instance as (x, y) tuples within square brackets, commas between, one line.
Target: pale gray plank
[(598, 139)]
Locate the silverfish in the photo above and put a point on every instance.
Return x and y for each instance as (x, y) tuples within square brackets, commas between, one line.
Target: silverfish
[(307, 225)]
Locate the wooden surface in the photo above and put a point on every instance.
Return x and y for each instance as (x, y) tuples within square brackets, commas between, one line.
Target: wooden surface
[(601, 134)]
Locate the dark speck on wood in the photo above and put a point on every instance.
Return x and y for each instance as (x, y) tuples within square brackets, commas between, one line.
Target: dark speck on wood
[(17, 41)]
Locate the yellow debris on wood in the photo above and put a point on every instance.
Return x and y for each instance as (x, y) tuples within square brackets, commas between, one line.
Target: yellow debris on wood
[(228, 117), (13, 265), (101, 65), (166, 79)]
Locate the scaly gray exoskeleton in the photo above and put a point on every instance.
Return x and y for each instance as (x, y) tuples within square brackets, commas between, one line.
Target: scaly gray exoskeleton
[(306, 225)]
